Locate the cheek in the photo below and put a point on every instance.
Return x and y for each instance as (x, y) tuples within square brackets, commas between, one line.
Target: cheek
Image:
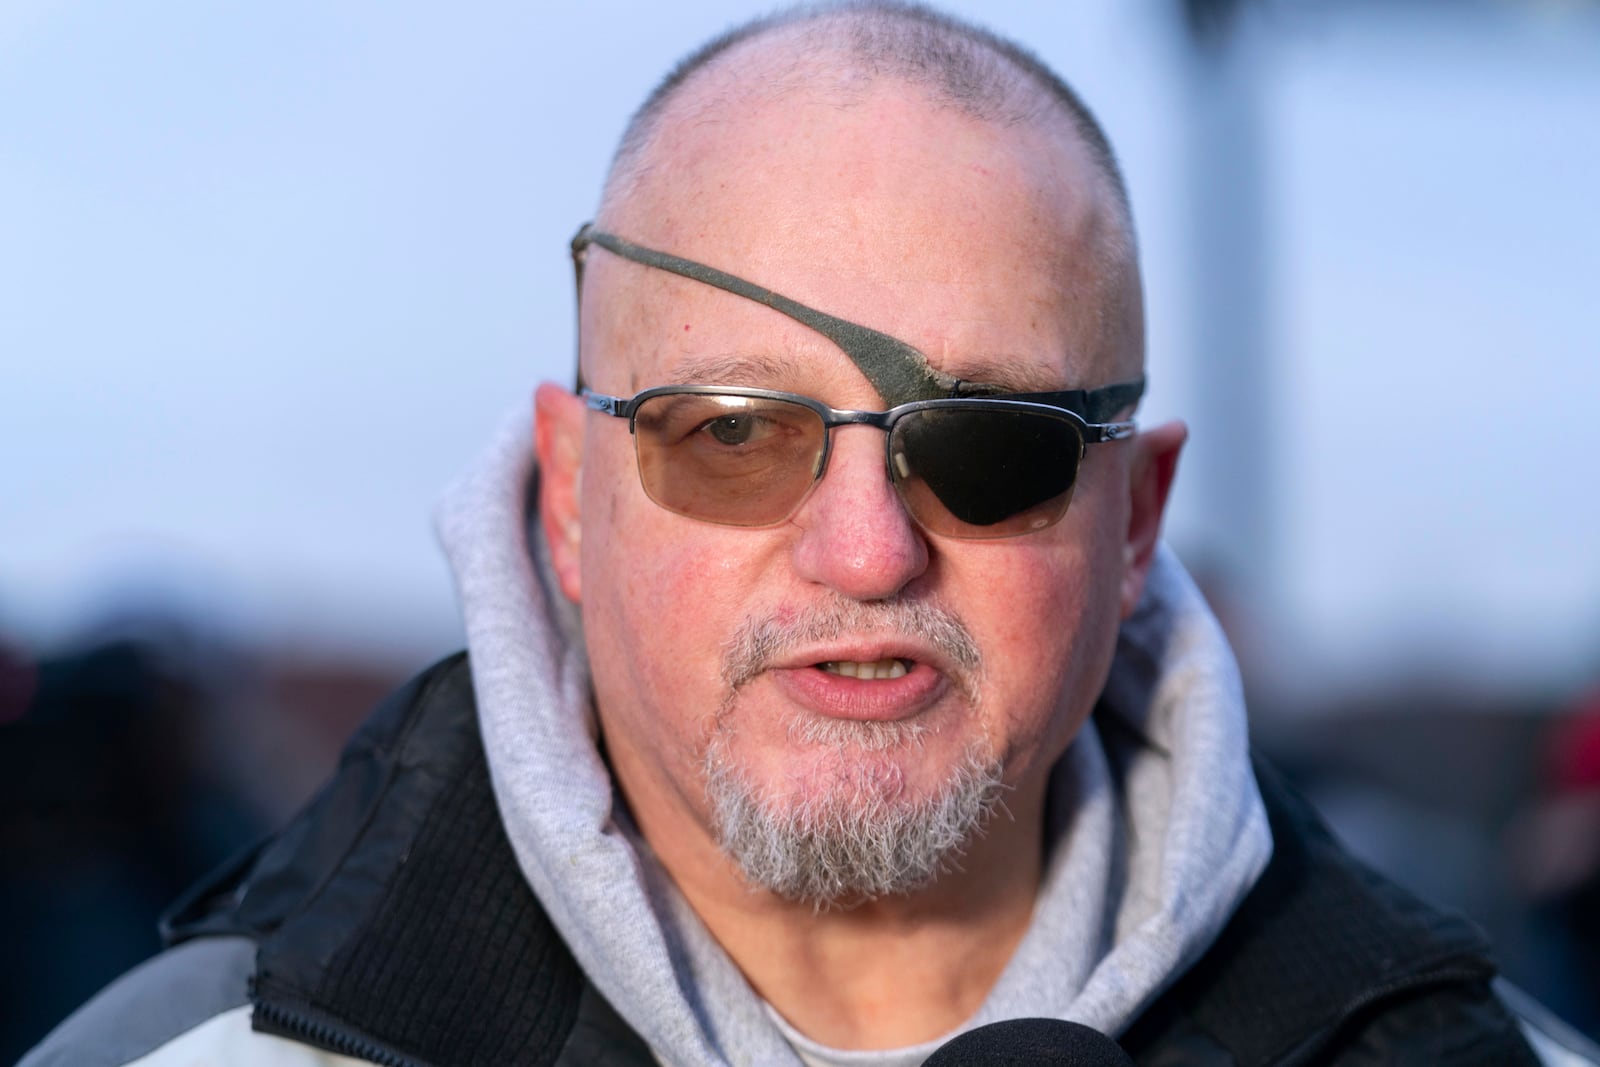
[(1050, 612), (657, 601)]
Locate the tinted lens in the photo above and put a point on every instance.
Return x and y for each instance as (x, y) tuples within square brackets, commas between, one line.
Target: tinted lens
[(737, 460), (970, 472)]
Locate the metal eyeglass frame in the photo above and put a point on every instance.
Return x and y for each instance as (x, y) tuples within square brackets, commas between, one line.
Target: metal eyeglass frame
[(1054, 404), (1087, 432)]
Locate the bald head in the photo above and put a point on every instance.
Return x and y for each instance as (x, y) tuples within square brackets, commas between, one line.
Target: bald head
[(835, 139), (845, 48)]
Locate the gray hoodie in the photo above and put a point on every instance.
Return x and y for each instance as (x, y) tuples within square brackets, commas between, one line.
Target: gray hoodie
[(1154, 845)]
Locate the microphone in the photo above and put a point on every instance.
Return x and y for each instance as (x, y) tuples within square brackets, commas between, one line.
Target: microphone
[(1030, 1043)]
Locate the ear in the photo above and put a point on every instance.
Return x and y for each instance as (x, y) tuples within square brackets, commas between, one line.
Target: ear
[(1155, 462), (558, 440)]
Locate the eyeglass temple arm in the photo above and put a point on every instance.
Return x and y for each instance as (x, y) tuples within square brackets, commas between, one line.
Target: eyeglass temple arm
[(609, 405), (896, 370)]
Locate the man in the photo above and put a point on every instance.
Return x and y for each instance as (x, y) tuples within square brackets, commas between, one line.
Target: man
[(775, 744)]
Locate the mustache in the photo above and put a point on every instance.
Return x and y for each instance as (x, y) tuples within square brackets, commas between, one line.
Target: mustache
[(759, 642)]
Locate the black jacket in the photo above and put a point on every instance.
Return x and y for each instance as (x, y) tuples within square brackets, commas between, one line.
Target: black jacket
[(393, 924)]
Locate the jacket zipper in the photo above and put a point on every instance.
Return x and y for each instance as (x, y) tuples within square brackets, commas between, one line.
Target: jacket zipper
[(325, 1034)]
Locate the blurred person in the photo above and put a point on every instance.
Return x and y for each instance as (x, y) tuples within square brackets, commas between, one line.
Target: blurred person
[(1555, 844), (109, 806), (828, 693)]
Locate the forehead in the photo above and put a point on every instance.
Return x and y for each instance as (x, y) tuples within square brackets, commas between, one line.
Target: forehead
[(982, 246)]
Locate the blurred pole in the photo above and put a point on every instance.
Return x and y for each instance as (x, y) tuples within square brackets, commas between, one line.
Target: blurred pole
[(1230, 460)]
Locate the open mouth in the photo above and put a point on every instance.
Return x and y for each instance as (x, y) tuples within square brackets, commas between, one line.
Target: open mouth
[(876, 670)]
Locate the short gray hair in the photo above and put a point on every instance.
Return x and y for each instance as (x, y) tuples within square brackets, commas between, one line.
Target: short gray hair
[(960, 65)]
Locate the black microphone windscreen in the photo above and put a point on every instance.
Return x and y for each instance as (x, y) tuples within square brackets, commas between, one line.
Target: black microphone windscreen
[(1029, 1043)]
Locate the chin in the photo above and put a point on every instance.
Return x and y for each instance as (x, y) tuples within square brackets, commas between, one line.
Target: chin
[(851, 818)]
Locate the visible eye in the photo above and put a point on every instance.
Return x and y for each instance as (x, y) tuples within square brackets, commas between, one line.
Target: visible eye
[(724, 426), (732, 429)]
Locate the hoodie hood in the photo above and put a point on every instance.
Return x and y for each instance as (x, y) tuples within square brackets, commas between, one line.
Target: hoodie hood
[(1156, 827)]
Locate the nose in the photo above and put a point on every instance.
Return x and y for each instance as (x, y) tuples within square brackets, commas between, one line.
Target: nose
[(855, 535)]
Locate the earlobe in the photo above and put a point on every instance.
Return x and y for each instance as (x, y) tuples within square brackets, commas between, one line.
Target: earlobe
[(1155, 463), (558, 441)]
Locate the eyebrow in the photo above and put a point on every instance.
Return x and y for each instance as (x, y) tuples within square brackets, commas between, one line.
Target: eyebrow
[(760, 370), (1003, 376), (732, 369)]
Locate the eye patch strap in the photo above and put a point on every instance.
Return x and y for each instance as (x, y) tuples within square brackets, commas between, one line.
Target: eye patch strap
[(897, 371), (1095, 405)]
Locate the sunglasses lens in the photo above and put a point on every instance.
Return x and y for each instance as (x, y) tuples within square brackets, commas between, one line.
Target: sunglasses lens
[(974, 473), (735, 460)]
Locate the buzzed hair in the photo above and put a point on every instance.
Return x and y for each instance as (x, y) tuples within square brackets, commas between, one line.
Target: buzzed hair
[(961, 65)]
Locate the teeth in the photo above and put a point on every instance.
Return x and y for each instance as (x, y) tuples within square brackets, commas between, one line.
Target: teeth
[(880, 670)]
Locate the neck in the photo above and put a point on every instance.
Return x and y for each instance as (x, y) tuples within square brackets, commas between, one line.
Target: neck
[(882, 973)]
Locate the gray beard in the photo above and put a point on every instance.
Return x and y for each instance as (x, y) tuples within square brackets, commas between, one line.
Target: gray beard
[(855, 836), (856, 841)]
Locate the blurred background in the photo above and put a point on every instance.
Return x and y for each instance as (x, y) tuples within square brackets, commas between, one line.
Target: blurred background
[(271, 274)]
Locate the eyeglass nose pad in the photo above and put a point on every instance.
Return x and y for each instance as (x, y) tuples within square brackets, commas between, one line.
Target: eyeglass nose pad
[(900, 465)]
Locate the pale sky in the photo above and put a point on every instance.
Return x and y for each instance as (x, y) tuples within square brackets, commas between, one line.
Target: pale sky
[(271, 274)]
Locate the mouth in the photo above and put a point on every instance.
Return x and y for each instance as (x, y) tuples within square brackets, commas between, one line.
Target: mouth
[(872, 683), (885, 669)]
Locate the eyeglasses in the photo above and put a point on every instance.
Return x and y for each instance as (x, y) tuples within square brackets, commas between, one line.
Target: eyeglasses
[(977, 468)]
